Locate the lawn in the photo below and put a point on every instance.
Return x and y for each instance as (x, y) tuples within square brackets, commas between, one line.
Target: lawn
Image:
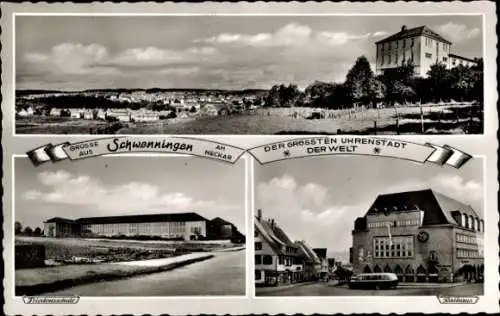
[(107, 250), (451, 118)]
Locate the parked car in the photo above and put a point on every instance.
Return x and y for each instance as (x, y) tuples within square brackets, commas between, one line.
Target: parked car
[(376, 281)]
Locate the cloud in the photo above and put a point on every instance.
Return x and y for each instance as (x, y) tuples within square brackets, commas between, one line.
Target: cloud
[(309, 212), (290, 34), (452, 185), (94, 59), (339, 38), (456, 32), (62, 187)]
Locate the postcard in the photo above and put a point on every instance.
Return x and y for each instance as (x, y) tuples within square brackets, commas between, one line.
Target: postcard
[(250, 158)]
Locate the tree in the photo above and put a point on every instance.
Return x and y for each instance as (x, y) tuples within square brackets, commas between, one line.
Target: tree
[(28, 231), (283, 96), (358, 80), (37, 232), (439, 81), (18, 228)]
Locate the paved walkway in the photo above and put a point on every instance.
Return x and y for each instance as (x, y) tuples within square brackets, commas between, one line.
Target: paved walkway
[(164, 261)]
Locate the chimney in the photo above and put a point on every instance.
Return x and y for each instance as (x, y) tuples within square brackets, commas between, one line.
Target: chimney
[(259, 214), (403, 28)]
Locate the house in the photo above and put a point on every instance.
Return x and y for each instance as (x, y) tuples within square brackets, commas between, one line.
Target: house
[(88, 115), (277, 258), (55, 112), (219, 228), (144, 116), (322, 255), (101, 114), (420, 46), (422, 236), (76, 113), (311, 262), (456, 61)]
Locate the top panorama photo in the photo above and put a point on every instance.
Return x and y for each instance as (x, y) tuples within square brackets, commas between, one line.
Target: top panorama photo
[(257, 75)]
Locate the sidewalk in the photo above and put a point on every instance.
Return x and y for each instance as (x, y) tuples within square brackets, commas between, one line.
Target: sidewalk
[(269, 289), (411, 285), (49, 279)]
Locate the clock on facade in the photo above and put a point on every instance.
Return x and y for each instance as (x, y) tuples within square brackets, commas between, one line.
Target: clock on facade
[(423, 236)]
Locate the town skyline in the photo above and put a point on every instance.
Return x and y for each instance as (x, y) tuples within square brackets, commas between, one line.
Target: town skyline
[(209, 52)]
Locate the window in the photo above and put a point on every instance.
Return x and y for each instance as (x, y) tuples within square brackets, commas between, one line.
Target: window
[(428, 55), (395, 247), (258, 259), (258, 275), (280, 260), (445, 58), (258, 246), (267, 259)]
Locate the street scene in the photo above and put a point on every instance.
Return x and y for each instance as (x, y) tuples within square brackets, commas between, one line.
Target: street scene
[(418, 232), (246, 75), (101, 232)]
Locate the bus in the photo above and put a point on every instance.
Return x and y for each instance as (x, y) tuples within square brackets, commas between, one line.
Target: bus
[(375, 281)]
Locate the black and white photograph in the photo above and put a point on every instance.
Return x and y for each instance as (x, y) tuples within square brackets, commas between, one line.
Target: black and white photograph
[(327, 226), (249, 74), (107, 227)]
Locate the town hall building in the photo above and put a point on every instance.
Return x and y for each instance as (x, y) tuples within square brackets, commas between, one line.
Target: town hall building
[(422, 236)]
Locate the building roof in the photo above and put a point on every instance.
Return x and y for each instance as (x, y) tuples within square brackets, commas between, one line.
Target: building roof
[(413, 32), (274, 236), (60, 220), (220, 222), (320, 252), (437, 207), (149, 218), (461, 57), (308, 252)]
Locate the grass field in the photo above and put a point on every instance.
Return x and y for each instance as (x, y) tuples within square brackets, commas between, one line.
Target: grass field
[(66, 249), (451, 118)]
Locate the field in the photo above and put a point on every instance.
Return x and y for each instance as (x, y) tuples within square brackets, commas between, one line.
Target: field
[(449, 118), (76, 250)]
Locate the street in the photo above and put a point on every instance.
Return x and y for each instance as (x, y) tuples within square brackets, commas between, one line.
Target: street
[(326, 289), (222, 275)]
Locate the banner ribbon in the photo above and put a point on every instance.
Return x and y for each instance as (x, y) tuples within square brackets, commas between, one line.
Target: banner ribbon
[(286, 149), (125, 144), (355, 145)]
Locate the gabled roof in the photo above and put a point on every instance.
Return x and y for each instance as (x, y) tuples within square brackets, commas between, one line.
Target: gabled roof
[(308, 252), (413, 32), (273, 235), (149, 218), (437, 207)]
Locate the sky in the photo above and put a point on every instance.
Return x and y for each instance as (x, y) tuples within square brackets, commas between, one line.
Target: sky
[(317, 199), (213, 52), (114, 186)]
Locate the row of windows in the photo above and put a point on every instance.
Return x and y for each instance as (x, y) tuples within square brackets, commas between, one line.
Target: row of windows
[(395, 44), (398, 223), (266, 259), (393, 247), (140, 228), (467, 253), (429, 42), (466, 239), (396, 57)]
